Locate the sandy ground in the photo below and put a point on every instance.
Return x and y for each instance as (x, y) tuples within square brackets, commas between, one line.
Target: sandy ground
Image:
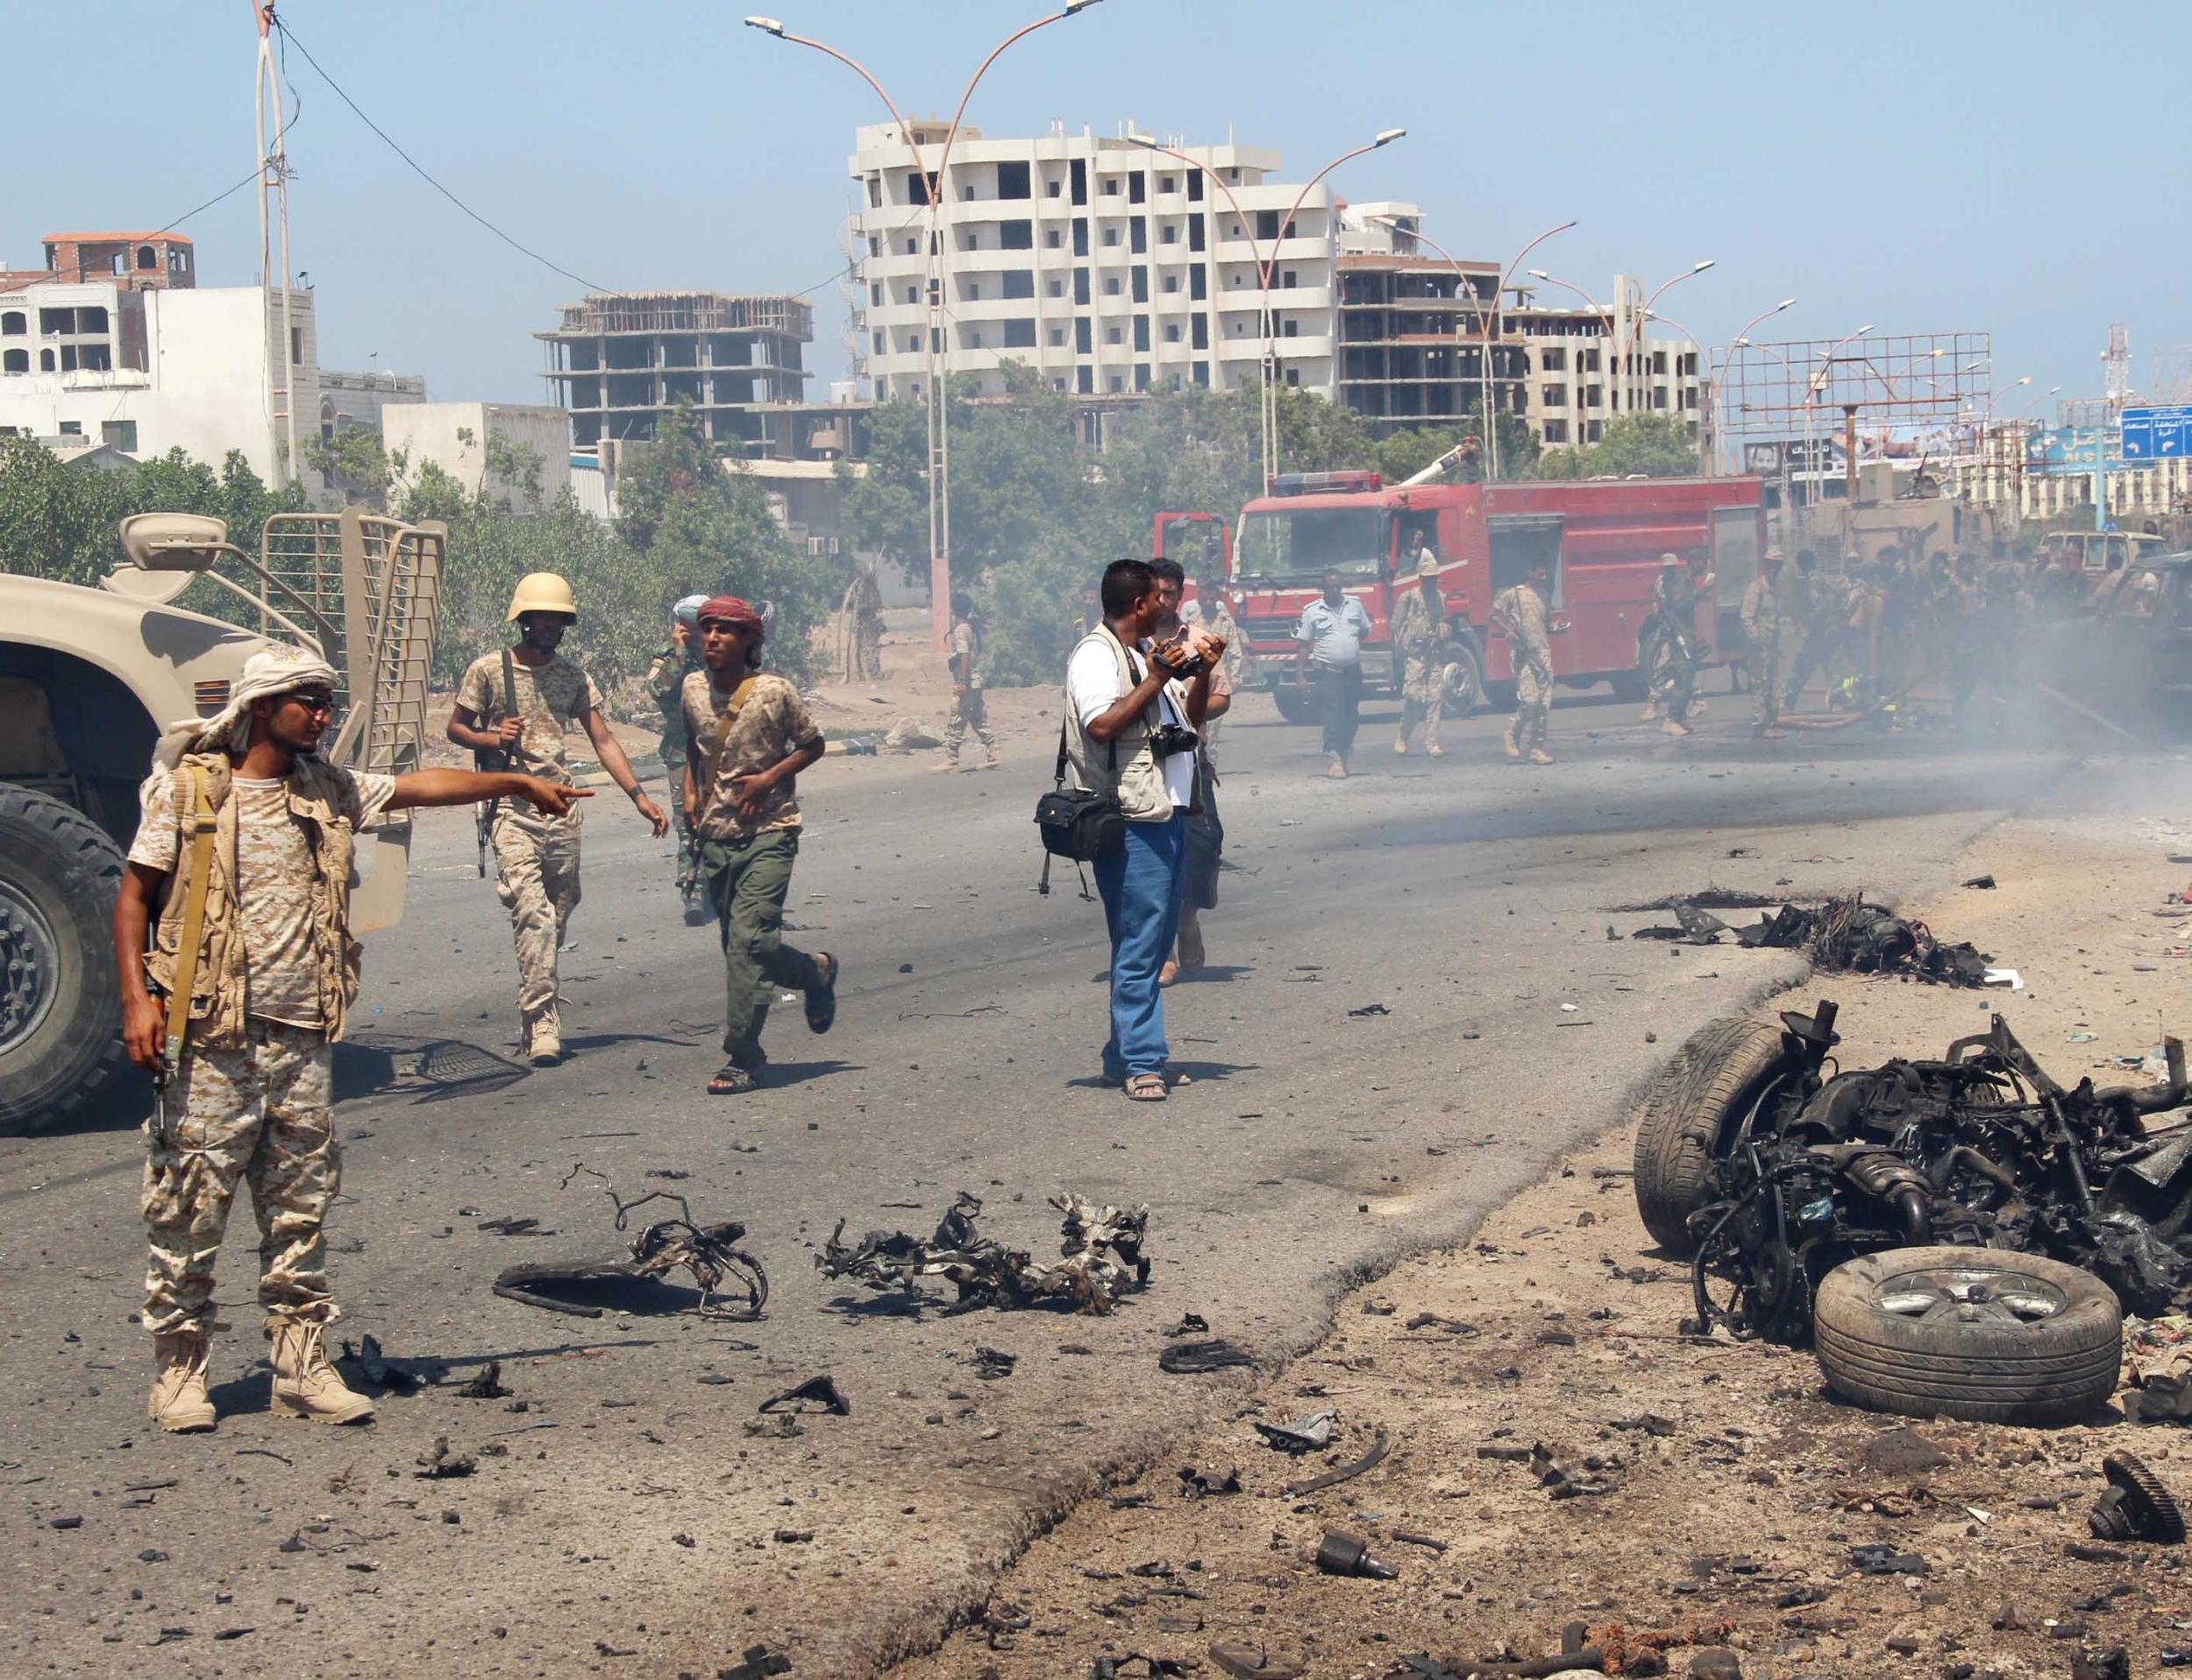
[(1732, 1521)]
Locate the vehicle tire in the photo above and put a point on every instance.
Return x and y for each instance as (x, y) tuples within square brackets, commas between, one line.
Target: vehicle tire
[(1465, 681), (1982, 1334), (60, 1004), (1293, 705), (1686, 1117)]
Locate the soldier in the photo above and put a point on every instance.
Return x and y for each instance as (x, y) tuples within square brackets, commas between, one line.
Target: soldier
[(748, 737), (1824, 605), (665, 684), (1522, 612), (1674, 620), (967, 710), (1761, 634), (519, 702), (1418, 631), (242, 865)]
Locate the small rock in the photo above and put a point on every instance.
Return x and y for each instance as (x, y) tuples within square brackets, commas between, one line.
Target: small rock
[(1715, 1662), (1902, 1453)]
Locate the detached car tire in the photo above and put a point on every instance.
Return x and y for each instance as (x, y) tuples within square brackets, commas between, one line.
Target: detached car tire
[(1690, 1109), (1978, 1334), (60, 1042), (1293, 705)]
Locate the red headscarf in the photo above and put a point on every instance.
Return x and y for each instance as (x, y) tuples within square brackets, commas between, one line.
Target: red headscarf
[(729, 610)]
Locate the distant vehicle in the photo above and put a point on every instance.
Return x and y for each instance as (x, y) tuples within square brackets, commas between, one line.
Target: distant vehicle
[(89, 679), (1602, 538), (2129, 655), (2094, 551), (1193, 539)]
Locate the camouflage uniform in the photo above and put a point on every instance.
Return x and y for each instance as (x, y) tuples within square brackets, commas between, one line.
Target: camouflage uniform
[(967, 710), (1216, 617), (538, 855), (1420, 636), (1761, 634), (864, 605), (251, 1100), (665, 684), (1525, 609), (748, 862), (1674, 680)]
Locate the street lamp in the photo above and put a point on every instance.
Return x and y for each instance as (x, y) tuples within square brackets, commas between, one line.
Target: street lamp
[(1717, 373), (1628, 370), (936, 185), (1650, 316)]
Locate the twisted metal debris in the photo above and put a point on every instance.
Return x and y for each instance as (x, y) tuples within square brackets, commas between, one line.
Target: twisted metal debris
[(1100, 1259)]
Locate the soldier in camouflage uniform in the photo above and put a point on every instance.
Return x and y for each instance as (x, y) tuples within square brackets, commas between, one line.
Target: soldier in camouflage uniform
[(666, 685), (1419, 632), (536, 854), (863, 606), (967, 710), (1674, 628), (1761, 636), (247, 1098), (1523, 612)]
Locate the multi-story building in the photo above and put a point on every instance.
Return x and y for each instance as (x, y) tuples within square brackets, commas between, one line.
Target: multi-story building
[(139, 262), (354, 401), (618, 361), (148, 369), (1593, 363), (1106, 265)]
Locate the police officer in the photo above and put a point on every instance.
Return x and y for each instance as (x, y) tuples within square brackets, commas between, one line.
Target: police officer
[(666, 685), (518, 703)]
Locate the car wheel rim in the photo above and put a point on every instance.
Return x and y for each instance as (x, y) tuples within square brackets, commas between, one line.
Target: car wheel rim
[(1973, 1293), (30, 958)]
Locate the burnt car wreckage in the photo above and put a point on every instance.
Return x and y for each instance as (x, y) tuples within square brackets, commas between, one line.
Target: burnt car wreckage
[(1958, 1237), (1100, 1258)]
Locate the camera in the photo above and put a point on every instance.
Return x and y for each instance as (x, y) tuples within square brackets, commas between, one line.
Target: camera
[(1186, 668), (1168, 738)]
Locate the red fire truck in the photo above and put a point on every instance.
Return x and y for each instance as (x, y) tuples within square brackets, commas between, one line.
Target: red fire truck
[(1602, 536)]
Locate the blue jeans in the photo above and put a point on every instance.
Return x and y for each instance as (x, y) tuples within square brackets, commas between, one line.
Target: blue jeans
[(1141, 889)]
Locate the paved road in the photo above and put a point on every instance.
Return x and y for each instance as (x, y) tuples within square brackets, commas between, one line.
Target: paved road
[(631, 1523)]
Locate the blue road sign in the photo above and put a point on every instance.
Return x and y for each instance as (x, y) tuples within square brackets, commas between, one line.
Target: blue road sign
[(2157, 434)]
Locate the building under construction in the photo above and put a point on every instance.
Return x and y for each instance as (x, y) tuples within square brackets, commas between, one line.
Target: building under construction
[(619, 360)]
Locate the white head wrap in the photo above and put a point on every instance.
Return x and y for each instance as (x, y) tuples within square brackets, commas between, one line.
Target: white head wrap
[(276, 669)]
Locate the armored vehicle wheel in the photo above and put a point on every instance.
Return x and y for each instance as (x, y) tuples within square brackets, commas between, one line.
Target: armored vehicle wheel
[(59, 1038), (1700, 1096), (1978, 1334)]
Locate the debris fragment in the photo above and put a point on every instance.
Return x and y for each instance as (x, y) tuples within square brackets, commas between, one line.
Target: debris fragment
[(815, 1394), (1370, 1009), (708, 1254), (1246, 1663), (390, 1375), (1197, 1484), (1345, 1554), (1192, 1358), (1191, 1324), (1844, 934), (439, 1463), (487, 1386), (991, 1364), (1308, 1435), (1369, 1461), (759, 1663), (2136, 1506), (1984, 883), (1879, 1559), (1100, 1258)]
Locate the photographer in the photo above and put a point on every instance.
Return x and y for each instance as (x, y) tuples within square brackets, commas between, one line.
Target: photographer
[(1126, 736)]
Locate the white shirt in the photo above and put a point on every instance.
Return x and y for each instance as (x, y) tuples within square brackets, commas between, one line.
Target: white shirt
[(1091, 679)]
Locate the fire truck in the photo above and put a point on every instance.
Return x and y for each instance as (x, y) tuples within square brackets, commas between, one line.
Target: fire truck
[(1602, 539)]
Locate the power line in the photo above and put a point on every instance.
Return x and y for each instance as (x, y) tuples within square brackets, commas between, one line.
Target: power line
[(288, 36)]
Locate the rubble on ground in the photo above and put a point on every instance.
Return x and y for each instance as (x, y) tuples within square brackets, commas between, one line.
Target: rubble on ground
[(1100, 1258), (708, 1253)]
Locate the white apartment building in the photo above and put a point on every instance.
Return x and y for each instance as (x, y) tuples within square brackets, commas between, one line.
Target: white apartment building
[(148, 371), (1107, 267)]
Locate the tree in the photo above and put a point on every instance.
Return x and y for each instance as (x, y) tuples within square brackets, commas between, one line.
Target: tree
[(356, 465), (1647, 446)]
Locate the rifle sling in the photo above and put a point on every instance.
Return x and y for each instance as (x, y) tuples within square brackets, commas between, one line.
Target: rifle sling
[(186, 970)]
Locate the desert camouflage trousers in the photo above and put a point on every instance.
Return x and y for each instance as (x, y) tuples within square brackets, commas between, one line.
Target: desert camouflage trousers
[(262, 1113), (968, 712), (1422, 698), (539, 884), (688, 841), (1533, 706)]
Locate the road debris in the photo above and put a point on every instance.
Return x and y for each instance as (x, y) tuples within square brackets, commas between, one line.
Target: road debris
[(1369, 1461), (439, 1463), (1310, 1434), (1249, 1662), (1192, 1358), (708, 1254), (1843, 935), (2135, 1506), (815, 1394), (992, 1364), (1199, 1484), (1369, 1009), (486, 1385), (1100, 1258), (1980, 1150), (1341, 1553), (369, 1362)]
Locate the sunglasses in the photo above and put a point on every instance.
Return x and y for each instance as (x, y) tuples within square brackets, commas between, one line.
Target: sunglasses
[(319, 705)]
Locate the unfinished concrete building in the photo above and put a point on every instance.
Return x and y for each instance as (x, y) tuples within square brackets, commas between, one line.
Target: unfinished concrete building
[(619, 361), (1412, 340)]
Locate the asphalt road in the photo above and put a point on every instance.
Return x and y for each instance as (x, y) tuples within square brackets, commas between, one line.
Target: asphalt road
[(625, 1521)]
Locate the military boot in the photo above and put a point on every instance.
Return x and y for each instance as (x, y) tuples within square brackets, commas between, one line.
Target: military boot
[(179, 1404), (543, 1037), (305, 1385)]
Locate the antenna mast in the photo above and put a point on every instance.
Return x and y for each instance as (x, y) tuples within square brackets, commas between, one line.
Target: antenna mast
[(274, 184)]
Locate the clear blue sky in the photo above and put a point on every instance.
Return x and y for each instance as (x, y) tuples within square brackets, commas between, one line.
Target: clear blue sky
[(1935, 166)]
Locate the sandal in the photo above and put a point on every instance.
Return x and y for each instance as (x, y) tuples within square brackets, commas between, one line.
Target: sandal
[(821, 1000), (731, 1080), (1145, 1087)]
